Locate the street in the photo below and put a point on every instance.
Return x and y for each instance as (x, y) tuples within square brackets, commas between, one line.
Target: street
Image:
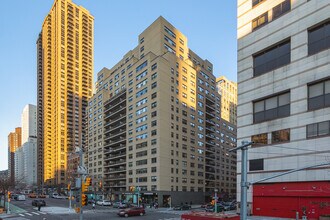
[(59, 209)]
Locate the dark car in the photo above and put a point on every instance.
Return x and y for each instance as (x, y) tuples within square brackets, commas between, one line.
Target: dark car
[(132, 211), (182, 207), (38, 202), (211, 208)]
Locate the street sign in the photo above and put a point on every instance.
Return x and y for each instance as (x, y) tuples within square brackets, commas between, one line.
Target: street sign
[(82, 170)]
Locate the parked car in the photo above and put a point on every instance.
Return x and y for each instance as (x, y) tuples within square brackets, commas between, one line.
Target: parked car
[(20, 198), (132, 211), (41, 196), (211, 208), (229, 206), (104, 202), (36, 202), (182, 207)]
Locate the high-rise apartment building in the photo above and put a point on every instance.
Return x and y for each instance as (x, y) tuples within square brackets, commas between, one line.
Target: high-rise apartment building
[(26, 155), (228, 92), (65, 70), (14, 142), (29, 122), (284, 103), (154, 124)]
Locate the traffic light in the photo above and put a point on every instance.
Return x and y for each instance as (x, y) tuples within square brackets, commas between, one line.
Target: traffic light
[(9, 196), (69, 187), (132, 188), (88, 181), (100, 184), (83, 200), (84, 187)]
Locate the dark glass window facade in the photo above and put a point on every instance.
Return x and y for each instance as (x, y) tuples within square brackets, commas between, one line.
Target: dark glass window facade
[(257, 164), (318, 129), (319, 95), (319, 38), (281, 9), (273, 58), (272, 108), (255, 2)]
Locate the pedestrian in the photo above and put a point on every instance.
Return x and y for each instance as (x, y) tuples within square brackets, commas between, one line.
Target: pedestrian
[(94, 206), (39, 206)]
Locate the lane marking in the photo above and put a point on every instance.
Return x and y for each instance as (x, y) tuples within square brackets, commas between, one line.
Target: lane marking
[(28, 214), (43, 213), (21, 215), (35, 213)]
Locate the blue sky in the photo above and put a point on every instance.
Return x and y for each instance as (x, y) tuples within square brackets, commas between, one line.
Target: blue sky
[(210, 27)]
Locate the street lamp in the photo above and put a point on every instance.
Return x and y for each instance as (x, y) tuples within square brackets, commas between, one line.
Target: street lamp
[(215, 200)]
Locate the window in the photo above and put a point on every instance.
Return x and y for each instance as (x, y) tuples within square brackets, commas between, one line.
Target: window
[(259, 139), (255, 2), (272, 108), (271, 59), (154, 66), (319, 38), (318, 129), (259, 21), (167, 30), (154, 95), (153, 85), (169, 49), (319, 95), (280, 136), (153, 76), (281, 9), (257, 164), (169, 41), (141, 66)]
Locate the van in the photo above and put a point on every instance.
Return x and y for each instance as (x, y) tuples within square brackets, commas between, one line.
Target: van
[(20, 198)]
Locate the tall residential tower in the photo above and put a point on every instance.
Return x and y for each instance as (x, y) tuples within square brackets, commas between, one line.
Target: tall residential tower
[(284, 103), (228, 92), (14, 142), (154, 124), (65, 78)]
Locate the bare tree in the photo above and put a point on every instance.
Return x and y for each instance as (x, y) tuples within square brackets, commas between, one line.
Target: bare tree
[(5, 185)]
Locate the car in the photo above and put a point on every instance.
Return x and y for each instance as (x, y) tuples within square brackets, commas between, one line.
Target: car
[(182, 207), (32, 195), (211, 208), (91, 201), (120, 205), (20, 198), (38, 202), (41, 196), (132, 211), (104, 202), (55, 195)]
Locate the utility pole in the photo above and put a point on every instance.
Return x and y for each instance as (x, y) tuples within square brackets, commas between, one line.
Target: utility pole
[(244, 183), (82, 173), (215, 201)]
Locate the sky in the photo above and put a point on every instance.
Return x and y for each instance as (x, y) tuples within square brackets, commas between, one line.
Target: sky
[(209, 25)]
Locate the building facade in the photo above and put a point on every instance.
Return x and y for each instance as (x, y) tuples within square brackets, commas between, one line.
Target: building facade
[(283, 103), (228, 92), (65, 70), (29, 122), (26, 154), (14, 142), (154, 124)]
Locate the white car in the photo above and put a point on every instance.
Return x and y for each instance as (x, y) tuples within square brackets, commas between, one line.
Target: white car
[(104, 202)]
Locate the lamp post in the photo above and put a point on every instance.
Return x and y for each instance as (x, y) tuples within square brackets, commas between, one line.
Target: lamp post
[(215, 200)]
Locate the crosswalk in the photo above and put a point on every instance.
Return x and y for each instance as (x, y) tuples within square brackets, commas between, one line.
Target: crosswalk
[(29, 214), (170, 218)]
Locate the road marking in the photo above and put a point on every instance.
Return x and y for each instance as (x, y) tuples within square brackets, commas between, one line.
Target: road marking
[(28, 214), (21, 215), (43, 213), (35, 213)]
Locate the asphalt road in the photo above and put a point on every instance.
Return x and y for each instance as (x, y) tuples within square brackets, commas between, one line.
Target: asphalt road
[(25, 210)]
